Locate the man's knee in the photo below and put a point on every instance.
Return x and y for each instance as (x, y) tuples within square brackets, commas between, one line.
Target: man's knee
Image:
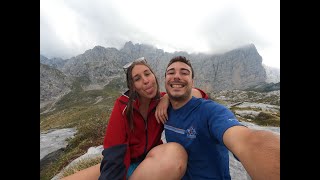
[(169, 149), (177, 156), (171, 156), (176, 151)]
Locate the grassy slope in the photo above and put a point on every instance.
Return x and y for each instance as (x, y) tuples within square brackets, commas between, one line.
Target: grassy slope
[(83, 110)]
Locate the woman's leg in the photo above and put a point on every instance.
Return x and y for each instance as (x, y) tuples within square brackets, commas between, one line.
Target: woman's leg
[(92, 172), (166, 161)]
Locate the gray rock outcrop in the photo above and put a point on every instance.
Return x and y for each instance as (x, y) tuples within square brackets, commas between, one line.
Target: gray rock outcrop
[(53, 84)]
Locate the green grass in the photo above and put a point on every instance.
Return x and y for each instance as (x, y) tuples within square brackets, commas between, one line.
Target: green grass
[(267, 119), (263, 118), (79, 109)]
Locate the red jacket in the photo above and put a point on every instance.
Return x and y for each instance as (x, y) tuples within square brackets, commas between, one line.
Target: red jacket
[(122, 146)]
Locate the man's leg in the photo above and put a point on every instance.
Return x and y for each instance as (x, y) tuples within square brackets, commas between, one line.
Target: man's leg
[(164, 162)]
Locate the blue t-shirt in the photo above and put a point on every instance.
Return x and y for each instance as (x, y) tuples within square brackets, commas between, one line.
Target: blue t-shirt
[(199, 126)]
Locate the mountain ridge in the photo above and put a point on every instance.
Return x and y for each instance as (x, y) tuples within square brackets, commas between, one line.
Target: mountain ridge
[(240, 68)]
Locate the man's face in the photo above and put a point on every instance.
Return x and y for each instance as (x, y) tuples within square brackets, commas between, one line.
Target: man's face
[(178, 81)]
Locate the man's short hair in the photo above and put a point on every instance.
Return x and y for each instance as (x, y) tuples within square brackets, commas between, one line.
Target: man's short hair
[(180, 59)]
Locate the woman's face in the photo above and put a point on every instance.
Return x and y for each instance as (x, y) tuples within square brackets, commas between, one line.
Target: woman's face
[(144, 81)]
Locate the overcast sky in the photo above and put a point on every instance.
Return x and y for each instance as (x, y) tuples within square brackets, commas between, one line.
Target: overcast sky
[(69, 27)]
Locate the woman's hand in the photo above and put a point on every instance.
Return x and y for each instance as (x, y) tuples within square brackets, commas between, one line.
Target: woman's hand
[(161, 110)]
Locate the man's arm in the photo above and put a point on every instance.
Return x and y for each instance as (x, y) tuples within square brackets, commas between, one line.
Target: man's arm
[(257, 150)]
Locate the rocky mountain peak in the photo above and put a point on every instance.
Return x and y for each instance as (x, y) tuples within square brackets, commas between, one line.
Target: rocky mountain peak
[(240, 68)]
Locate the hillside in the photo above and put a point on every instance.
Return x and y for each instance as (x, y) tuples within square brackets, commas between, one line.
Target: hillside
[(88, 112), (79, 92)]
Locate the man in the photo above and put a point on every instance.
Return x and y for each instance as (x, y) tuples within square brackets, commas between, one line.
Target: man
[(207, 130)]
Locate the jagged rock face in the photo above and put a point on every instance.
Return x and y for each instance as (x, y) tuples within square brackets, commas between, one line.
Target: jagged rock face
[(94, 63), (53, 84), (100, 65), (57, 63), (237, 69), (138, 50)]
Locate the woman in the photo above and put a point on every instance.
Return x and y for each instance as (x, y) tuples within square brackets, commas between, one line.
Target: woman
[(132, 145)]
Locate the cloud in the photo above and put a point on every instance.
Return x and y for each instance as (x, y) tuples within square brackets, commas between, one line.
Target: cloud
[(68, 28)]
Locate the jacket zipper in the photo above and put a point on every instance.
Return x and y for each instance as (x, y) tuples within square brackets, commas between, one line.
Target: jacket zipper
[(146, 130)]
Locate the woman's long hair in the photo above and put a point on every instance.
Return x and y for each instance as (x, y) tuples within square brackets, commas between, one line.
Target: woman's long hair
[(132, 94)]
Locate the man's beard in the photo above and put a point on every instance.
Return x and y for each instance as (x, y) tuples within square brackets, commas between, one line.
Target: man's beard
[(180, 98)]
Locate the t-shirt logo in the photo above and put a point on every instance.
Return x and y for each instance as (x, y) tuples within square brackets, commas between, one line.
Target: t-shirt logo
[(191, 132)]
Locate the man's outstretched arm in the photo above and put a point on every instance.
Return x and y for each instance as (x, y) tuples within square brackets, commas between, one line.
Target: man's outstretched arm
[(257, 150)]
